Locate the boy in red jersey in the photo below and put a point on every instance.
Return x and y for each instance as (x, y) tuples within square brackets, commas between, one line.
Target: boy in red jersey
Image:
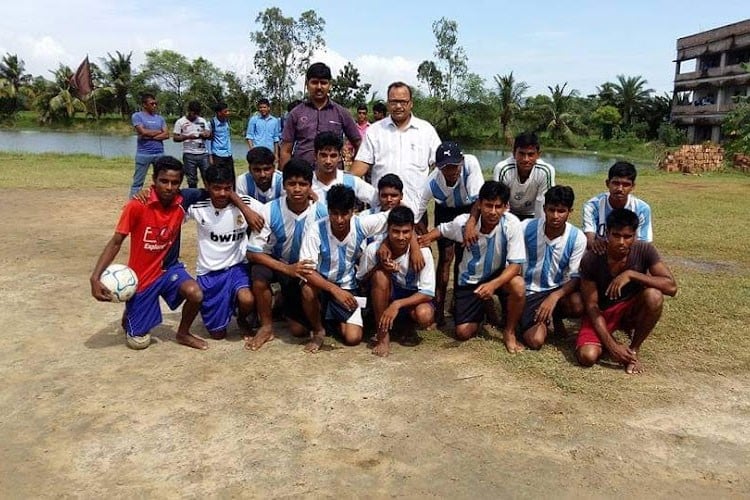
[(154, 228)]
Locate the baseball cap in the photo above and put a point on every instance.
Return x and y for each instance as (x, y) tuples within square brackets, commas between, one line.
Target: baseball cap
[(448, 153)]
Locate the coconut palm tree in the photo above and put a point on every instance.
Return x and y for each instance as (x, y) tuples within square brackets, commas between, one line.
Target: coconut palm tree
[(630, 95), (509, 96), (13, 70), (119, 76), (559, 112)]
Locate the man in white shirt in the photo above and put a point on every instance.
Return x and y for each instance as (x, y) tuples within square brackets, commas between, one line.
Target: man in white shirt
[(401, 144), (192, 130), (527, 176)]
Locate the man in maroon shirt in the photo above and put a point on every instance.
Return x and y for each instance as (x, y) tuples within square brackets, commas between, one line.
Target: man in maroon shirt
[(315, 115), (623, 289)]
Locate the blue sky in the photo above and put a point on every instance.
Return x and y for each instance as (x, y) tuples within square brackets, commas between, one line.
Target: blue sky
[(584, 43)]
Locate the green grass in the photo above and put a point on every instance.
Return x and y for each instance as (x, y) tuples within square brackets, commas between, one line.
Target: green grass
[(700, 227)]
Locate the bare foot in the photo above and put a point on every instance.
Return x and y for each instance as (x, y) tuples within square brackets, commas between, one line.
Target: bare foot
[(382, 347), (265, 334), (191, 340), (511, 344), (317, 341), (220, 335), (634, 368)]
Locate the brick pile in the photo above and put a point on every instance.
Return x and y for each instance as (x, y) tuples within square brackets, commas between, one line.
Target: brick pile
[(742, 162), (694, 159)]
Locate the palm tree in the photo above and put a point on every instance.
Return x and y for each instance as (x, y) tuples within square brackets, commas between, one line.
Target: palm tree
[(13, 70), (57, 102), (630, 95), (119, 75), (509, 95), (559, 112)]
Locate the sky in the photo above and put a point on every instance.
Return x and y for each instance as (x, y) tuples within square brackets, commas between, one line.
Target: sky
[(583, 43)]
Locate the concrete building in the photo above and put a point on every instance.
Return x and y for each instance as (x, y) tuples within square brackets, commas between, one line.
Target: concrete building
[(708, 76)]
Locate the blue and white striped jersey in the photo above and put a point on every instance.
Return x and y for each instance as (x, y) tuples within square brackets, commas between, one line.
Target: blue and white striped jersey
[(362, 190), (336, 259), (283, 231), (246, 185), (596, 210), (422, 282), (504, 244), (464, 192), (550, 263)]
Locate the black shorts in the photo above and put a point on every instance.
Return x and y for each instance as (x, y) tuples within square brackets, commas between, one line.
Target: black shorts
[(533, 302), (447, 214), (469, 306)]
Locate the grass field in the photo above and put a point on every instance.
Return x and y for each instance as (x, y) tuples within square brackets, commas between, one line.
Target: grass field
[(700, 225)]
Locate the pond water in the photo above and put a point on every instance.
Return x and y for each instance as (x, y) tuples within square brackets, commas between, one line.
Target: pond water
[(113, 146)]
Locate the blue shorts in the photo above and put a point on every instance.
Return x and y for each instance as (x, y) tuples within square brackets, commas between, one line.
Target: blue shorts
[(220, 290), (142, 312)]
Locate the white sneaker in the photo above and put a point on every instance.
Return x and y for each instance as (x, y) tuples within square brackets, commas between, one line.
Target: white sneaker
[(138, 342)]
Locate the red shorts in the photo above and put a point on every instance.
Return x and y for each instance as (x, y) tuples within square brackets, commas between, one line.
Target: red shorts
[(612, 316)]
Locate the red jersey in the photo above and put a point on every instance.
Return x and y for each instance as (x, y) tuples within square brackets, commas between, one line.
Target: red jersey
[(154, 236)]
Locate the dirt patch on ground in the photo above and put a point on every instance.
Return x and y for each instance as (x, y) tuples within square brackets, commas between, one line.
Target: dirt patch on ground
[(82, 415)]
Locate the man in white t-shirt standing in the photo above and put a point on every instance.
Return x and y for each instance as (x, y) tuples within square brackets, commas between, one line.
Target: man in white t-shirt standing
[(400, 144), (192, 131), (527, 176)]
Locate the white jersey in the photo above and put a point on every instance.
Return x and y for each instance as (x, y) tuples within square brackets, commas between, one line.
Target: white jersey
[(464, 192), (197, 145), (550, 263), (283, 231), (596, 210), (222, 234), (246, 185), (483, 259), (526, 198), (407, 153), (404, 277), (336, 259), (362, 190)]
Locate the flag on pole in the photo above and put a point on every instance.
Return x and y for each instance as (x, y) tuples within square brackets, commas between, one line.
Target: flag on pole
[(80, 81)]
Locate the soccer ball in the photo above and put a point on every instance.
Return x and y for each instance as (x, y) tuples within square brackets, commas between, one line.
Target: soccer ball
[(121, 281)]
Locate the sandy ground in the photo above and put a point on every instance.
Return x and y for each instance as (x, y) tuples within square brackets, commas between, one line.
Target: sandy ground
[(81, 415)]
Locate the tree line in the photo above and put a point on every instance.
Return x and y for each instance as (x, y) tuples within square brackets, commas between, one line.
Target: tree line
[(461, 104)]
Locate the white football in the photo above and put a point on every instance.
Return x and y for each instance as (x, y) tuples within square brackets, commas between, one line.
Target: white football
[(121, 281)]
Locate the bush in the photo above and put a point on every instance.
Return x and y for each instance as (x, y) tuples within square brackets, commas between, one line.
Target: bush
[(669, 135)]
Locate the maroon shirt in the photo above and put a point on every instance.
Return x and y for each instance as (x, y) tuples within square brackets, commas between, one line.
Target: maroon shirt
[(594, 268), (306, 121)]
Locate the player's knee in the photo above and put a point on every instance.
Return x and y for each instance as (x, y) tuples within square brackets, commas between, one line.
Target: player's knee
[(192, 292), (588, 355), (573, 305), (245, 298), (298, 330), (465, 331), (534, 339), (653, 299), (424, 315), (352, 336)]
